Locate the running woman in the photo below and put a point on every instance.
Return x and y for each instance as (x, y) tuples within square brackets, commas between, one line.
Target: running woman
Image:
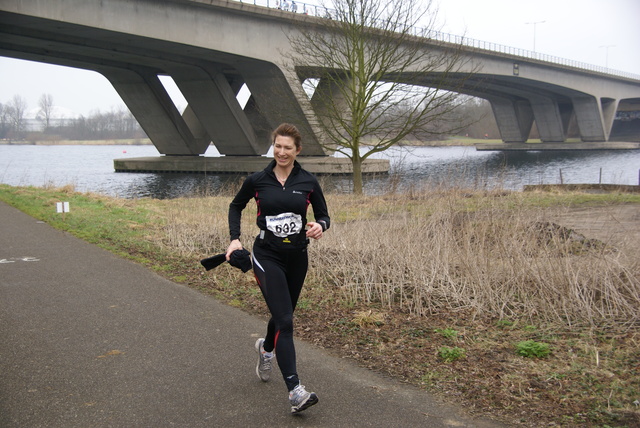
[(282, 191)]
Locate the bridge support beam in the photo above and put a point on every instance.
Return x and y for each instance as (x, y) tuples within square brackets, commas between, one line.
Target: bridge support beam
[(589, 119), (214, 104), (281, 98), (261, 126), (548, 119), (198, 131), (329, 91), (514, 118), (152, 107), (609, 108)]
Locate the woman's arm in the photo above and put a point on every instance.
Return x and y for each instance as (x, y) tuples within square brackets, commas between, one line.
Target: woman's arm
[(236, 206), (320, 210), (235, 215)]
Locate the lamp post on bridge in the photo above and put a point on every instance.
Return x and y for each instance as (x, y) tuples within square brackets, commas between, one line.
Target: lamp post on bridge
[(606, 61), (534, 32)]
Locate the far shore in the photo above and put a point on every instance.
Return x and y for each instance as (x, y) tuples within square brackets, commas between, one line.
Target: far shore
[(123, 142), (453, 141)]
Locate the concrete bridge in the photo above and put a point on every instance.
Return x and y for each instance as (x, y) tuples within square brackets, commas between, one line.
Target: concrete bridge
[(213, 48)]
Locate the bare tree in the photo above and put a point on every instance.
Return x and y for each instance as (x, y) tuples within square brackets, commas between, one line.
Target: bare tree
[(46, 110), (114, 124), (377, 83), (15, 110), (479, 118)]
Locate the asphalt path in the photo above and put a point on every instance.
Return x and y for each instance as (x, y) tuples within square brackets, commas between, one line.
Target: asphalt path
[(88, 339)]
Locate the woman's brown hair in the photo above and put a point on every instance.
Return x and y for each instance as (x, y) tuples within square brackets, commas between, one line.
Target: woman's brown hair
[(288, 130)]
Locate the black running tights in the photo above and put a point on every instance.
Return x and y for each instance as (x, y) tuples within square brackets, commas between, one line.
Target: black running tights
[(280, 275)]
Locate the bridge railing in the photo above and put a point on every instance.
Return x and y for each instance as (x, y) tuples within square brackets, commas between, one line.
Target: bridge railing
[(322, 12), (524, 53)]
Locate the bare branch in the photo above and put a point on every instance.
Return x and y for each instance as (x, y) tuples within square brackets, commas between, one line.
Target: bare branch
[(376, 81)]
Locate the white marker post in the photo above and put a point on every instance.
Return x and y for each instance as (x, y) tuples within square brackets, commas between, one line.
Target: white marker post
[(62, 207)]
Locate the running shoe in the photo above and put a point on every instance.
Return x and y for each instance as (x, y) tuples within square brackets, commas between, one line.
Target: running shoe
[(300, 399), (263, 368)]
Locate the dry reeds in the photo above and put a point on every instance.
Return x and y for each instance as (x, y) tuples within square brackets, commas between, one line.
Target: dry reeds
[(491, 260), (426, 252)]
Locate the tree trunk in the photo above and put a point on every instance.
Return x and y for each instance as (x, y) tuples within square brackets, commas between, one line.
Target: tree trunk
[(356, 163)]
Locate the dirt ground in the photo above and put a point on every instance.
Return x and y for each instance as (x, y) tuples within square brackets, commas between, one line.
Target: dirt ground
[(617, 225)]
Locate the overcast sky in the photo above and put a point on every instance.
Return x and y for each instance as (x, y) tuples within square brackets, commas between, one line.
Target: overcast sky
[(598, 32)]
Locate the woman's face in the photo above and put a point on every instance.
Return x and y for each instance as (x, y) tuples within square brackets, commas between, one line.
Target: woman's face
[(285, 151)]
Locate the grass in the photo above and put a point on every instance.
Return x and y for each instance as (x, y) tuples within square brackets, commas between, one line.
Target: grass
[(114, 224), (440, 289), (449, 354), (532, 349)]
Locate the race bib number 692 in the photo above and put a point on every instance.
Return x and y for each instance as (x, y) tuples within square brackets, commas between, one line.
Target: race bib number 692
[(285, 224)]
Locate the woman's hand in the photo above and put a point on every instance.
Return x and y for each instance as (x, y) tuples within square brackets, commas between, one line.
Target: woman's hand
[(234, 245), (315, 230)]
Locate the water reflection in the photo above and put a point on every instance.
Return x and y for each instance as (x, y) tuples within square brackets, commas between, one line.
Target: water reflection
[(167, 186), (462, 166)]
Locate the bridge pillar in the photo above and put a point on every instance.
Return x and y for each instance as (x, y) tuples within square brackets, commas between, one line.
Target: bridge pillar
[(589, 118), (214, 104), (514, 118), (261, 126), (152, 107), (609, 108), (548, 119), (280, 98), (198, 131), (329, 91)]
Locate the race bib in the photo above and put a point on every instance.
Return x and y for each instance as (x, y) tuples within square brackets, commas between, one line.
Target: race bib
[(285, 224)]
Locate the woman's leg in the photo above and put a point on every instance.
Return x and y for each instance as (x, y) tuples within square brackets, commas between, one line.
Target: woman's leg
[(296, 272), (270, 269)]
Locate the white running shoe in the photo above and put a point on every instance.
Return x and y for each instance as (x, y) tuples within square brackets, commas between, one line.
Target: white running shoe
[(263, 368), (300, 399)]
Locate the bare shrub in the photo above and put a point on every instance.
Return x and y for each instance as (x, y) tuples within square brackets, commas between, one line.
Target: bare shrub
[(486, 253), (199, 226), (488, 260)]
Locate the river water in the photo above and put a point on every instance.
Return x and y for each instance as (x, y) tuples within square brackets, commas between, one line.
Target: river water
[(90, 168)]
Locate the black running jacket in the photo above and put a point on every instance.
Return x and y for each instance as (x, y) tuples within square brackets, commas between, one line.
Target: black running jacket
[(274, 199)]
